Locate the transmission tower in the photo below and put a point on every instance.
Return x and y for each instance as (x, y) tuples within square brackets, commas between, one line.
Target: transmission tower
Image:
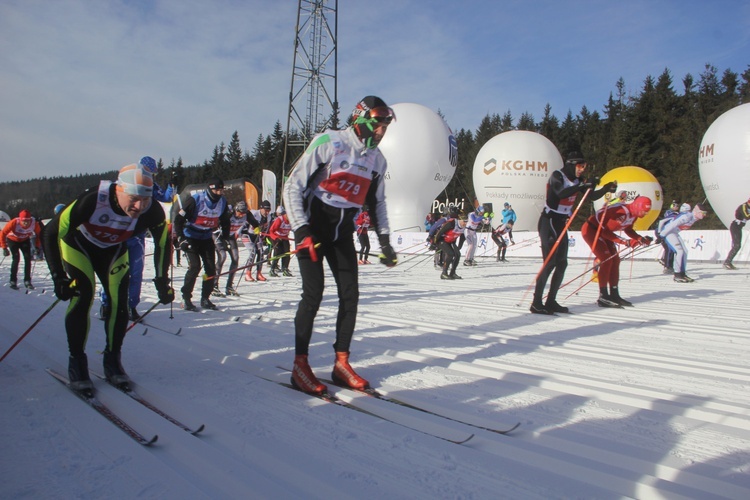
[(312, 107)]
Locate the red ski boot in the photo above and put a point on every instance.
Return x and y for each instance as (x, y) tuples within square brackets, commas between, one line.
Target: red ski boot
[(260, 277), (303, 377), (343, 373)]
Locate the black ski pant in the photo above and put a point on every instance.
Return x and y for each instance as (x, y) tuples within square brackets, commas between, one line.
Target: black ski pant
[(551, 226), (452, 257), (735, 230), (341, 257), (364, 245), (16, 249), (501, 245), (281, 247), (200, 250)]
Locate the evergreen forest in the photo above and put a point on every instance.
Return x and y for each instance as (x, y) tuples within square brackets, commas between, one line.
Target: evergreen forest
[(658, 127)]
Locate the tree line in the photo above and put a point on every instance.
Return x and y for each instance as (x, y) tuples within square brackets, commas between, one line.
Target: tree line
[(657, 128)]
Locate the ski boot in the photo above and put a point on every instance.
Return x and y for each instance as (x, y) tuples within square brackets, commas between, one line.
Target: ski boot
[(104, 312), (730, 266), (615, 295), (188, 305), (343, 373), (605, 300), (249, 275), (455, 276), (554, 307), (133, 315), (259, 277), (273, 273), (231, 292), (217, 293), (286, 272), (114, 372), (207, 304), (445, 276), (13, 285), (303, 378), (682, 278), (29, 286), (538, 308), (78, 374)]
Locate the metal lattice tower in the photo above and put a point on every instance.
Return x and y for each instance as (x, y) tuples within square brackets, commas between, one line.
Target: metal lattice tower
[(312, 107)]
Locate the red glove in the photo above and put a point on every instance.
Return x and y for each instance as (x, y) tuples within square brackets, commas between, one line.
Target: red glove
[(309, 244), (632, 243)]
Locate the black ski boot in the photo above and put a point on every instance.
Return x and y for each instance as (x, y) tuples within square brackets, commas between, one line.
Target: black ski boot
[(554, 307), (207, 304), (14, 285), (114, 372), (28, 285), (78, 374), (133, 314), (614, 293), (188, 305), (286, 272), (538, 308)]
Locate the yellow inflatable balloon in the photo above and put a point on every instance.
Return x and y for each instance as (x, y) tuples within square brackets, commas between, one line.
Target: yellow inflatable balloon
[(631, 182)]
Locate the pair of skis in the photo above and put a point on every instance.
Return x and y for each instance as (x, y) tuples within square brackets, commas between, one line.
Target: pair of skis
[(89, 397), (456, 437)]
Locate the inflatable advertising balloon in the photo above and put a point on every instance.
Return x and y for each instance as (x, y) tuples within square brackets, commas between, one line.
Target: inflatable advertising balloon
[(632, 182), (513, 167), (724, 162), (422, 156)]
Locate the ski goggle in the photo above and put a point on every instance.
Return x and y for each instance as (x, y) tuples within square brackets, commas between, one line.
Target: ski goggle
[(382, 115)]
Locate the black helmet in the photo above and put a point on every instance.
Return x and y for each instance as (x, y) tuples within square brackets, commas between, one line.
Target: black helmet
[(266, 205), (453, 211), (369, 111)]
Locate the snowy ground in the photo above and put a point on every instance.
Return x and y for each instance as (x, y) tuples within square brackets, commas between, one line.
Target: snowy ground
[(645, 402)]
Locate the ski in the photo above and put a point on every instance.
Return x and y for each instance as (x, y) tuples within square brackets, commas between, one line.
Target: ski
[(90, 399), (149, 325), (390, 399), (374, 393), (334, 399), (130, 392)]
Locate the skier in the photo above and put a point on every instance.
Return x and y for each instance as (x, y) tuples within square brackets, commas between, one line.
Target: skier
[(15, 239), (509, 215), (606, 222), (563, 187), (670, 231), (446, 237), (667, 258), (254, 240), (475, 219), (200, 215), (498, 238), (86, 240), (439, 258), (136, 251), (279, 234), (340, 171), (741, 216), (239, 225), (363, 228)]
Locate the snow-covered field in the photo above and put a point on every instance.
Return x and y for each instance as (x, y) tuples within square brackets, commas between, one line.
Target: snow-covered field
[(645, 402)]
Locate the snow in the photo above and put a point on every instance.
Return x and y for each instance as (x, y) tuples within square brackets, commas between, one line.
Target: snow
[(646, 402)]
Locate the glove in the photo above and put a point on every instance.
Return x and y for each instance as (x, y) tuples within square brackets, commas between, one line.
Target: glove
[(611, 186), (163, 290), (6, 252), (658, 240), (256, 230), (183, 244), (65, 288), (646, 240), (388, 255), (304, 240), (632, 243)]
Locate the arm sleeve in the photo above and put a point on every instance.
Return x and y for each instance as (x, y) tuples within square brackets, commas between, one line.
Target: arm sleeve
[(375, 199), (298, 185), (187, 210)]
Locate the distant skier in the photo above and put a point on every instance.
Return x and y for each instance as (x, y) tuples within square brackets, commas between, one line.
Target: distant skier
[(498, 236), (363, 234), (741, 216), (670, 231), (607, 221), (446, 238), (15, 240), (474, 220)]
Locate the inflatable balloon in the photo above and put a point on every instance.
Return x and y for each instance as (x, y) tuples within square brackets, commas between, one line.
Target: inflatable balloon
[(632, 182), (513, 167), (422, 156), (724, 162)]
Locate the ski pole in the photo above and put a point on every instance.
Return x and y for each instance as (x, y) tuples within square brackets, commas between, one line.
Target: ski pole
[(557, 243), (277, 257), (141, 318), (28, 330), (632, 254)]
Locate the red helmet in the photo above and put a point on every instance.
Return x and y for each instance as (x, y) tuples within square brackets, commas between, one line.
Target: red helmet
[(640, 206)]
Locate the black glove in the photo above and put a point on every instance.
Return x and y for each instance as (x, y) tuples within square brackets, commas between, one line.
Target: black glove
[(658, 240), (6, 252), (183, 244), (388, 255), (64, 287), (646, 240), (611, 186), (165, 292)]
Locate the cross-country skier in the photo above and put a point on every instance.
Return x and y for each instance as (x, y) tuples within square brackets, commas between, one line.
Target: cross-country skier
[(741, 216), (199, 216), (88, 239), (474, 220), (446, 238), (670, 231), (498, 236), (607, 222), (563, 188), (15, 240), (136, 251), (340, 171)]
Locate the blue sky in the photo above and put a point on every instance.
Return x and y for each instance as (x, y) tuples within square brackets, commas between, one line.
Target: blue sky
[(90, 86)]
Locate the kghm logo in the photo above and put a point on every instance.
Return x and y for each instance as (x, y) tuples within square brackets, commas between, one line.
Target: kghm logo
[(515, 166), (489, 166), (707, 150), (453, 151)]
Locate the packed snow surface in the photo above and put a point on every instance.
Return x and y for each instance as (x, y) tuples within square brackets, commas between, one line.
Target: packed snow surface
[(649, 401)]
